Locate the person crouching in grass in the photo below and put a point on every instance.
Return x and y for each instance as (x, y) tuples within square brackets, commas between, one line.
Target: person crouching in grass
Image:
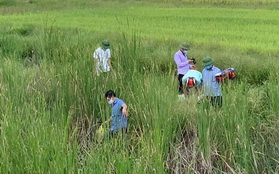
[(192, 79)]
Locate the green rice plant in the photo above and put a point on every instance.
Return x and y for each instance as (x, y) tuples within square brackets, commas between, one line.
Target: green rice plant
[(271, 91), (26, 118)]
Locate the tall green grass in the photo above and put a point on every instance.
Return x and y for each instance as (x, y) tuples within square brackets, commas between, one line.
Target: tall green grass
[(50, 110)]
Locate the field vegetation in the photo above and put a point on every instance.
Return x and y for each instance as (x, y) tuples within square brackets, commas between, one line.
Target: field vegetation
[(52, 103)]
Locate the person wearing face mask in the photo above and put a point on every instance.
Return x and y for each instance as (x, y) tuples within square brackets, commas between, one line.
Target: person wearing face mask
[(118, 113), (183, 64), (210, 84)]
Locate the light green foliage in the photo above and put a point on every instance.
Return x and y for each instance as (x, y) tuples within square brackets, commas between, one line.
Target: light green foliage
[(50, 107)]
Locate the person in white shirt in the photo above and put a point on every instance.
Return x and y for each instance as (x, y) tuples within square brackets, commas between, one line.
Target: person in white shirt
[(102, 57)]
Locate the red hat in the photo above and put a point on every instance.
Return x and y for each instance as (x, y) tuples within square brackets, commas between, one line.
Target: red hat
[(191, 82)]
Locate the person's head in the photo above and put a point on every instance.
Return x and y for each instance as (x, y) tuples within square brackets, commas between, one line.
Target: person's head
[(105, 45), (207, 62), (184, 47), (110, 96)]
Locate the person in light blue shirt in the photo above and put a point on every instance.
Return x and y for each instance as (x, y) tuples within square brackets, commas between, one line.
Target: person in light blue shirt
[(193, 78), (210, 84), (118, 113)]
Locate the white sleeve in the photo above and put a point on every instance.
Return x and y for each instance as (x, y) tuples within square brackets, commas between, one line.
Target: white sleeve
[(109, 55), (95, 54)]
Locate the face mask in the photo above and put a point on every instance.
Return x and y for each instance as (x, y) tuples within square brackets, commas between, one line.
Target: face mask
[(208, 67), (185, 52), (110, 102)]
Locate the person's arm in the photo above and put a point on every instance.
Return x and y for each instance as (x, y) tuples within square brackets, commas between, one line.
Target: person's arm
[(179, 63), (201, 82), (227, 72), (109, 63), (95, 57), (202, 87), (185, 92), (124, 110), (95, 54)]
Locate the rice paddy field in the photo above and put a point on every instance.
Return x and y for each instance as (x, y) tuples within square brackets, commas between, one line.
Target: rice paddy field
[(52, 106)]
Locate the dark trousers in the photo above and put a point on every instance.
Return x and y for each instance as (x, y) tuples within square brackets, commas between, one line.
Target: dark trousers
[(180, 87), (215, 101)]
